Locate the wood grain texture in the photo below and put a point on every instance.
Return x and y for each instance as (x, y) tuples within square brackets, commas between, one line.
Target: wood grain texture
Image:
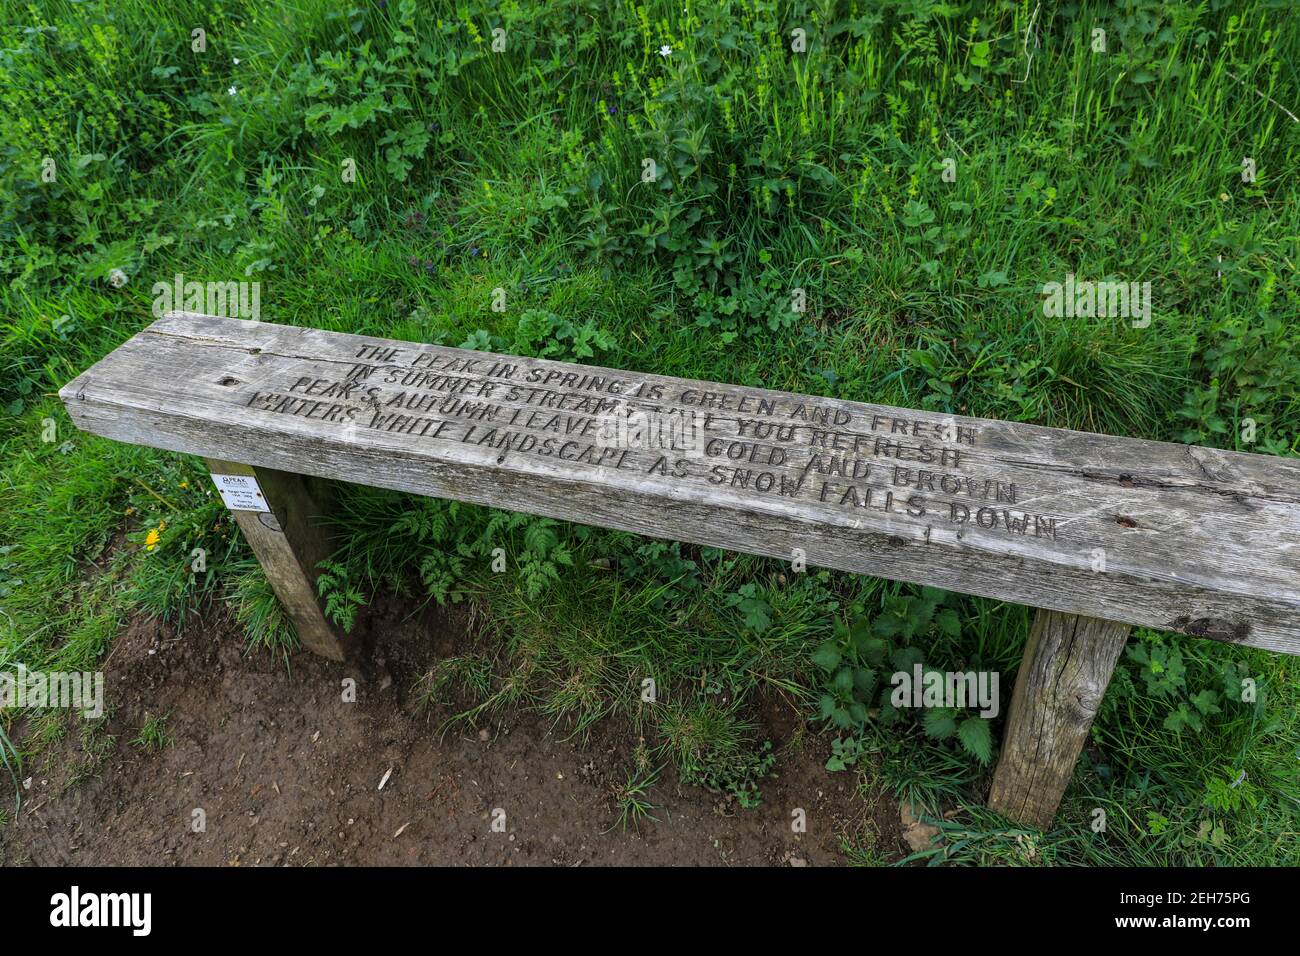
[(1067, 665), (1195, 540), (289, 542)]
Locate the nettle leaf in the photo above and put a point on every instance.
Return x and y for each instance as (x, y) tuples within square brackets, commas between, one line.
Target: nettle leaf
[(905, 658), (976, 738), (873, 650), (919, 617), (888, 712), (827, 657), (938, 723), (888, 625), (949, 623), (858, 632)]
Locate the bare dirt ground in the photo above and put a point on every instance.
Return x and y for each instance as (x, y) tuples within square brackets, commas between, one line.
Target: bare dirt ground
[(285, 772)]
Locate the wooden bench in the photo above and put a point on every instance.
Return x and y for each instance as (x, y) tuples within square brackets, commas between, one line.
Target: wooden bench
[(1099, 532)]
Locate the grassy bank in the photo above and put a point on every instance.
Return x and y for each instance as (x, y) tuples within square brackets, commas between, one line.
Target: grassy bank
[(919, 170)]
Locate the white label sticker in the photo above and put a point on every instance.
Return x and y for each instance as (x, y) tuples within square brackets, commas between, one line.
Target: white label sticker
[(241, 493)]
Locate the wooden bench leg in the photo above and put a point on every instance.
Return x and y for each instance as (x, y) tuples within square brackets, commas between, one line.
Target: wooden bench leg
[(289, 541), (1067, 665)]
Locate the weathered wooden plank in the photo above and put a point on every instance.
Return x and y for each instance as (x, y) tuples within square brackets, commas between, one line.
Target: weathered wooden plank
[(290, 540), (1175, 537), (1067, 665)]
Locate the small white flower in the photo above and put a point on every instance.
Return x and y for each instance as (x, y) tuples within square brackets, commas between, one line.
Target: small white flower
[(232, 91), (116, 278), (236, 59), (665, 50)]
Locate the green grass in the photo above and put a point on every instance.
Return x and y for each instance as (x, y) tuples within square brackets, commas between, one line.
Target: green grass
[(633, 799), (823, 171), (153, 733)]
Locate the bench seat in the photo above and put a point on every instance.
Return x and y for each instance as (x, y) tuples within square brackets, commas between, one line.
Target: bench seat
[(1175, 537)]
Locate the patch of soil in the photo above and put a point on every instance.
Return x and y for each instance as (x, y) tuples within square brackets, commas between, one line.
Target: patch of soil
[(279, 769)]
